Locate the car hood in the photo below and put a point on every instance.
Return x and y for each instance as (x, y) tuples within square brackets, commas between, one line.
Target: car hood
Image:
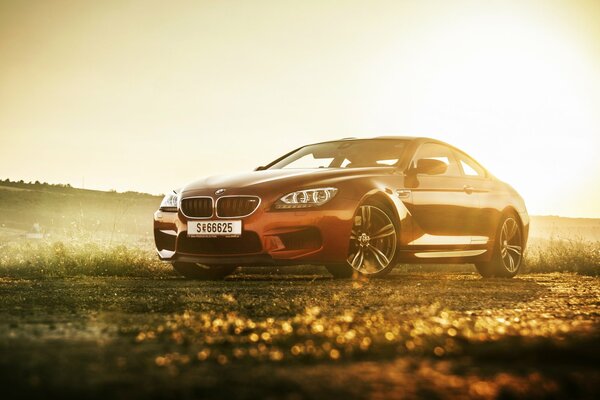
[(278, 180)]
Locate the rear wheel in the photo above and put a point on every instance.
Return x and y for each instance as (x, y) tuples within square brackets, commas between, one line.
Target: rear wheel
[(203, 272), (373, 241), (508, 250)]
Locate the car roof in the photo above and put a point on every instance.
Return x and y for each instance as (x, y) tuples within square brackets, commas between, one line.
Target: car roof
[(407, 138)]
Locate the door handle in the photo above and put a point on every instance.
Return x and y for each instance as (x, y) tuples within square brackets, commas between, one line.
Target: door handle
[(403, 193), (468, 188)]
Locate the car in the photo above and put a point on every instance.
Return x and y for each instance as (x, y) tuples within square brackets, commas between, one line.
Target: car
[(358, 207)]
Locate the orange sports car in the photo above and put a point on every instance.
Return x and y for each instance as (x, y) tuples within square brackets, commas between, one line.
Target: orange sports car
[(356, 206)]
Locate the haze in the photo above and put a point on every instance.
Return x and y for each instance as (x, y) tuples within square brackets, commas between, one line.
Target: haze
[(146, 96)]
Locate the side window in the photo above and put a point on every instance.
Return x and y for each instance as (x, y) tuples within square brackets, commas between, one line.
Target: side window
[(439, 152), (470, 166)]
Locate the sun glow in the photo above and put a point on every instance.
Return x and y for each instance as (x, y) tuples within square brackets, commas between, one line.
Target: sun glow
[(147, 97), (518, 92)]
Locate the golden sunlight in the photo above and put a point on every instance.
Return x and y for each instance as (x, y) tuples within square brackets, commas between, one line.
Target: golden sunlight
[(104, 94), (151, 247)]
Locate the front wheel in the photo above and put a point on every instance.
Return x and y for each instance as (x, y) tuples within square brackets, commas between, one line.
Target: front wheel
[(203, 272), (373, 242), (508, 251)]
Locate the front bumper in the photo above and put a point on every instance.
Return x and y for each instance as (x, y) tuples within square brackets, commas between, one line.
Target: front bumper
[(319, 235)]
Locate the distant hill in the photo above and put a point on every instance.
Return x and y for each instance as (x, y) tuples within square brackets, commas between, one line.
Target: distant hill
[(565, 228), (61, 209), (64, 210)]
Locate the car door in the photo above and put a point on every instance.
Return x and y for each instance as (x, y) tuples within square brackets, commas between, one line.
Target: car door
[(483, 219), (441, 205)]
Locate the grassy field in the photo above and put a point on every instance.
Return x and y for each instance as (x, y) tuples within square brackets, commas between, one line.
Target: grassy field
[(91, 232), (79, 214), (89, 312)]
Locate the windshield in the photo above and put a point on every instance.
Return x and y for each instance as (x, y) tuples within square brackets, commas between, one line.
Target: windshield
[(345, 154)]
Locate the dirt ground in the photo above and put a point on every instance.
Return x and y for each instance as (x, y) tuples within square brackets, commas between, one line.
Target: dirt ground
[(411, 335)]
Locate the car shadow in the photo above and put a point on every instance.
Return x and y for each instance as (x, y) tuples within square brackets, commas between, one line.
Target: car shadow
[(278, 276), (461, 291)]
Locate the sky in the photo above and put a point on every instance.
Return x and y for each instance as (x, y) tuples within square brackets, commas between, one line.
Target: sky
[(149, 95)]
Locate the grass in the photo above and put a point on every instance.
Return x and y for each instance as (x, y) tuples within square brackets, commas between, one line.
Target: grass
[(60, 259), (84, 257), (98, 233), (563, 255)]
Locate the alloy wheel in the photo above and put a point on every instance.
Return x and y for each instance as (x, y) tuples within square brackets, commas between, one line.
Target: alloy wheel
[(511, 249), (372, 241)]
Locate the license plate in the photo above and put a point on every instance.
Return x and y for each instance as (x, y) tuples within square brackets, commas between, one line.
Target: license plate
[(214, 228)]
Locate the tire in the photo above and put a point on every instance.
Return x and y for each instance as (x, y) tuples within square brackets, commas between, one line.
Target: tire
[(203, 272), (507, 257), (373, 242)]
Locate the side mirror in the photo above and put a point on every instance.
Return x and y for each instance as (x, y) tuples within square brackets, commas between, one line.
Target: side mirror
[(431, 166)]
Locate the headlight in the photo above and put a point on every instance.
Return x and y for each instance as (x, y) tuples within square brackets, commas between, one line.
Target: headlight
[(169, 203), (306, 198)]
